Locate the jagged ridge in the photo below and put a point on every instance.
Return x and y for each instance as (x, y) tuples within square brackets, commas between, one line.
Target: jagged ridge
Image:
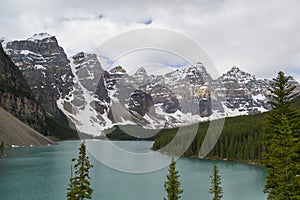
[(96, 100)]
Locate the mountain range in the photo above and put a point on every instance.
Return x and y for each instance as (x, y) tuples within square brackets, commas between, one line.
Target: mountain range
[(95, 99)]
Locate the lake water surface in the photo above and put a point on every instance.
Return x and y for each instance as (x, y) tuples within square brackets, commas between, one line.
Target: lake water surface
[(42, 173)]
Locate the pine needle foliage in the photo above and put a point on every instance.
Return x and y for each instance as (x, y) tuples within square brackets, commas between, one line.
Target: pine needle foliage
[(282, 143), (79, 186), (172, 185), (216, 189)]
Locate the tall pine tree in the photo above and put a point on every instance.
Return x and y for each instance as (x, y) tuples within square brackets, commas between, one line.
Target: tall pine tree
[(1, 149), (79, 187), (215, 188), (281, 141), (172, 185)]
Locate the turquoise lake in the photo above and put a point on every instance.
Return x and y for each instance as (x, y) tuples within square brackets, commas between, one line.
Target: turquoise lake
[(42, 173)]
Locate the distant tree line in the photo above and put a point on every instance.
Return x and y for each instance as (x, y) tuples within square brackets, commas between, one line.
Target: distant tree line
[(241, 138)]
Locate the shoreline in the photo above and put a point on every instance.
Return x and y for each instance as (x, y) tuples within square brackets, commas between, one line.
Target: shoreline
[(253, 163), (3, 155)]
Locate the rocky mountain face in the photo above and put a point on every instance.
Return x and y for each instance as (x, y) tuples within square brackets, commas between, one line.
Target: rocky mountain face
[(95, 100), (243, 93), (16, 96), (31, 83), (140, 102), (102, 99), (184, 96), (45, 67)]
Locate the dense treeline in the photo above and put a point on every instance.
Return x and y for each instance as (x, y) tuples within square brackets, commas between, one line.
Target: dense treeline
[(120, 133), (241, 138), (59, 128)]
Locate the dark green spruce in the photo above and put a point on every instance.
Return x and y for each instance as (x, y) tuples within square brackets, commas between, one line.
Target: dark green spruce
[(1, 149), (79, 187), (215, 188), (172, 185), (282, 143)]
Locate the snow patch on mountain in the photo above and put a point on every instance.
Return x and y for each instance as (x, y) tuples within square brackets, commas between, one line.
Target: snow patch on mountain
[(96, 100), (41, 36), (43, 62), (80, 107)]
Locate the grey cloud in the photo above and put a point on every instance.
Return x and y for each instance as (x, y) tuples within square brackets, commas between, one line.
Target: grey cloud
[(261, 37)]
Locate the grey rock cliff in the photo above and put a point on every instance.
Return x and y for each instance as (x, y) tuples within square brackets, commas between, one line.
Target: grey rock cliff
[(16, 96), (141, 102), (45, 67)]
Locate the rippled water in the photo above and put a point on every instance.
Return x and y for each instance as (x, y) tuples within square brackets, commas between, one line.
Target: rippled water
[(42, 173)]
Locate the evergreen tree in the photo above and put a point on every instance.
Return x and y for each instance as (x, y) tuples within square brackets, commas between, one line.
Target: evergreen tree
[(2, 148), (284, 153), (215, 188), (282, 97), (281, 141), (282, 94), (79, 187), (172, 185)]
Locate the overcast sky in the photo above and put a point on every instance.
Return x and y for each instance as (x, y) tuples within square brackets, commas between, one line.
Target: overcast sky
[(260, 37)]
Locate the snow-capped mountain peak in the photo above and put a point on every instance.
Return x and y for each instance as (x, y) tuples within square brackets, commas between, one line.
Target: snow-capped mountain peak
[(118, 70), (4, 41), (196, 67), (40, 36), (45, 67), (235, 74), (96, 100), (197, 74), (141, 71)]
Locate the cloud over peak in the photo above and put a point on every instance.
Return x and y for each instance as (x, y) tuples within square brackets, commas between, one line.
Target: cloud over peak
[(260, 36)]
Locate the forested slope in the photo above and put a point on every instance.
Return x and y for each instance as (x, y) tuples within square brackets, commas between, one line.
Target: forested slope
[(240, 138)]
